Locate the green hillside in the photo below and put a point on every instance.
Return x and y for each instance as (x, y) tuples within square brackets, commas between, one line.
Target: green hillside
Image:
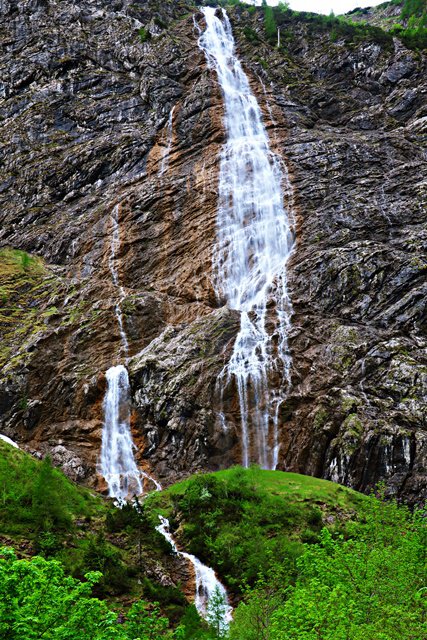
[(242, 521), (294, 552)]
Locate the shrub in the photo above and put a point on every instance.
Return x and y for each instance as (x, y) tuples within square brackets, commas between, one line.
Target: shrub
[(270, 24), (100, 556), (250, 34), (144, 34)]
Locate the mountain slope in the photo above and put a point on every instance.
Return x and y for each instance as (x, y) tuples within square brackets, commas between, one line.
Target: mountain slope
[(87, 98)]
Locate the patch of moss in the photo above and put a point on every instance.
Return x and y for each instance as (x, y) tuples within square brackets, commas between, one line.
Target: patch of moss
[(320, 419)]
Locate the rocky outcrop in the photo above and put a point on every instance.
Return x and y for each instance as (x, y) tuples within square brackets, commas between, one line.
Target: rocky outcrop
[(88, 90), (354, 138), (86, 105)]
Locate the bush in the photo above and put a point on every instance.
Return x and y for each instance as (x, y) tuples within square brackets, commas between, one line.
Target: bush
[(250, 34), (371, 585), (37, 600), (100, 556), (270, 24), (144, 34)]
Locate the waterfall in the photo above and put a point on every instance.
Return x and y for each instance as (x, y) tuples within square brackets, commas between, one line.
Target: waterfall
[(207, 584), (117, 460), (118, 465), (254, 241)]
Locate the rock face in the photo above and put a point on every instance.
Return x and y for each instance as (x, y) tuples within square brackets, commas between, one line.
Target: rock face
[(87, 95)]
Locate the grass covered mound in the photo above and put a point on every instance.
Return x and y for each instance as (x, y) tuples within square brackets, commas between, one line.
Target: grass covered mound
[(303, 558), (243, 521), (43, 512), (35, 496)]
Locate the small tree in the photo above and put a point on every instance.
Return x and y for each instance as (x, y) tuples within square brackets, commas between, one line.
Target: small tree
[(217, 612), (145, 622)]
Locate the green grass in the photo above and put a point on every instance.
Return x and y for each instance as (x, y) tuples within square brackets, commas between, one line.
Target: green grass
[(22, 491), (243, 521), (43, 512)]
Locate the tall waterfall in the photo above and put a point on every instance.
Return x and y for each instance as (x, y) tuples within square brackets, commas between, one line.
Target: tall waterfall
[(254, 241), (118, 465), (206, 581)]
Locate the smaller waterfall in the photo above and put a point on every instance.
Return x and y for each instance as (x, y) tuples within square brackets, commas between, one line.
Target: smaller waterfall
[(118, 464), (206, 581), (406, 445), (165, 157)]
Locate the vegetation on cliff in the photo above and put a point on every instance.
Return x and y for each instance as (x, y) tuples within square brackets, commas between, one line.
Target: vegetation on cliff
[(406, 19), (355, 26)]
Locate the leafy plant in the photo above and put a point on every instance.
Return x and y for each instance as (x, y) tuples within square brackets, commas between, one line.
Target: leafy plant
[(369, 586), (144, 34), (37, 600)]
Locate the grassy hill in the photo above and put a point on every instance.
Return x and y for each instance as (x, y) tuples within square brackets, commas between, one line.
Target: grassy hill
[(275, 539), (42, 512), (239, 521), (242, 521)]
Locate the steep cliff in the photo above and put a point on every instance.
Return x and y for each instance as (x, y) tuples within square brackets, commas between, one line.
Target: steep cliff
[(111, 114)]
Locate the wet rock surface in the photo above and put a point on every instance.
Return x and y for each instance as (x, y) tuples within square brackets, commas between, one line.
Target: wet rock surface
[(86, 102), (353, 135)]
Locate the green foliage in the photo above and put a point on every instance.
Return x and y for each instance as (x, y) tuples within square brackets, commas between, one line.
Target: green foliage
[(144, 34), (370, 586), (49, 510), (243, 521), (82, 531), (414, 38), (337, 27), (35, 497), (413, 8), (270, 24), (217, 609), (99, 555), (252, 618), (412, 29), (192, 626), (145, 622), (250, 34), (37, 600), (25, 260), (129, 516)]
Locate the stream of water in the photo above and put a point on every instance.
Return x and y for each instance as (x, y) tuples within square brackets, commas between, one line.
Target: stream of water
[(254, 241), (118, 464), (166, 151), (207, 584)]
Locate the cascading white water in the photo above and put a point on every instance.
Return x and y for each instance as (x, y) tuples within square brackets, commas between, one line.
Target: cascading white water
[(117, 460), (118, 465), (254, 241), (207, 584)]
